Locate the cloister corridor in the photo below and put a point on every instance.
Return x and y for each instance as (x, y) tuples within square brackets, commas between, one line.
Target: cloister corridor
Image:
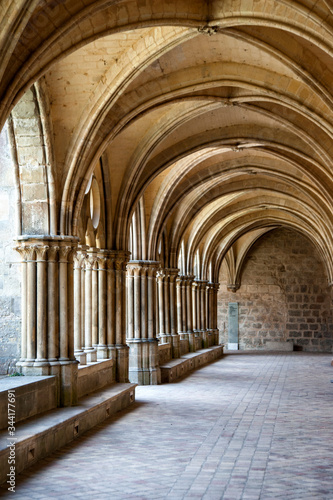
[(249, 426), (166, 249)]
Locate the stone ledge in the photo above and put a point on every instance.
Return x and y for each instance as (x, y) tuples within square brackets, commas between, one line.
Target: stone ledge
[(33, 395), (179, 367), (95, 376), (39, 436), (164, 353)]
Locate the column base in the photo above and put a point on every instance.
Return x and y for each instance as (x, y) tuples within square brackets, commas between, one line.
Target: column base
[(210, 337), (102, 352), (175, 346), (165, 338), (154, 367), (43, 369), (122, 353), (143, 361), (205, 338), (68, 383), (91, 355), (191, 340), (81, 357), (112, 354)]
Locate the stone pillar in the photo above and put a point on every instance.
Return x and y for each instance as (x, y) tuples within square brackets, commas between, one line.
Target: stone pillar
[(79, 259), (89, 307), (197, 310), (141, 322), (115, 265), (210, 313), (172, 276), (179, 304), (189, 311), (94, 303), (215, 288), (194, 306), (48, 311), (102, 351), (184, 310), (203, 312), (160, 277)]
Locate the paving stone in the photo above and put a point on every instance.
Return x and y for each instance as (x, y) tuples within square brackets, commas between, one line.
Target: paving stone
[(194, 439)]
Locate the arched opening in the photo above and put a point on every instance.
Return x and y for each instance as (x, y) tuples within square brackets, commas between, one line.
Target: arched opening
[(284, 299)]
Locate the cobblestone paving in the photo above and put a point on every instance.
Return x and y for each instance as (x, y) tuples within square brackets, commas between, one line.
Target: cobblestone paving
[(249, 426)]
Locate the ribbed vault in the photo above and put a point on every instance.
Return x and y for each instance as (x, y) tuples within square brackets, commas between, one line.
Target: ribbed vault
[(215, 118)]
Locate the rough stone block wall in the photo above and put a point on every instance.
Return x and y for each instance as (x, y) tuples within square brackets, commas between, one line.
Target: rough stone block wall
[(10, 269), (284, 295)]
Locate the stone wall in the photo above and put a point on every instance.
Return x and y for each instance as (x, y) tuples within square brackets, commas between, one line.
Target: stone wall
[(10, 269), (284, 295)]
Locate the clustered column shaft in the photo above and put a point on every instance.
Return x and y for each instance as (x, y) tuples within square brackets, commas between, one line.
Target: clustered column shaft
[(99, 288), (141, 322), (74, 308), (47, 305)]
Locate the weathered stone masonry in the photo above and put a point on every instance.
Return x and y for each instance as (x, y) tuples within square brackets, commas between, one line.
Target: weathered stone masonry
[(284, 295)]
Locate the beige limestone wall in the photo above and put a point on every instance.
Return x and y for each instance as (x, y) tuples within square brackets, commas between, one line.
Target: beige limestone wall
[(284, 295), (10, 269)]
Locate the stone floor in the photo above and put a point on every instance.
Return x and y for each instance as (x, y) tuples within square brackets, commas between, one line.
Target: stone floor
[(248, 426)]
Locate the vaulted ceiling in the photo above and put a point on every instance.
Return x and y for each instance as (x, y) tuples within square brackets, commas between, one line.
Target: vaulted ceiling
[(217, 115)]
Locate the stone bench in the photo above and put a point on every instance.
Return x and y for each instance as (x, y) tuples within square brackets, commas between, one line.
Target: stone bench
[(177, 368), (37, 437)]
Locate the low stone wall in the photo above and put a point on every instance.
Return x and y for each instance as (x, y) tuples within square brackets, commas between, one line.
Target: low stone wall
[(41, 436), (198, 342), (177, 368), (95, 376), (184, 346), (164, 353), (33, 395)]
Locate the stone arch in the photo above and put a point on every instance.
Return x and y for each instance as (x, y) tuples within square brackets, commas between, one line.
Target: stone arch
[(267, 305), (31, 143)]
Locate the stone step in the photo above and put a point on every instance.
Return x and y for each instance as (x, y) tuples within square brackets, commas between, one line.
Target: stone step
[(177, 368), (37, 437), (33, 395)]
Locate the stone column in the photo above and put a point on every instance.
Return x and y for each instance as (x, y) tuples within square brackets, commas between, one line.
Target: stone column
[(215, 288), (172, 276), (179, 304), (189, 311), (198, 307), (53, 304), (94, 303), (79, 305), (182, 313), (184, 309), (196, 313), (90, 313), (141, 322), (111, 311), (116, 261), (102, 351), (48, 311), (203, 312), (162, 334), (209, 313)]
